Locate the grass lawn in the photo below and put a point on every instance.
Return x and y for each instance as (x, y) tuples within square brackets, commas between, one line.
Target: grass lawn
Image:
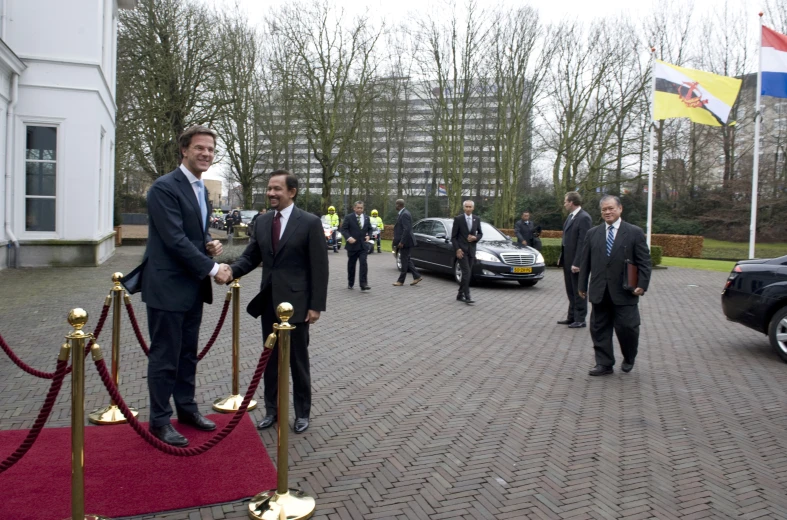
[(719, 249), (722, 266)]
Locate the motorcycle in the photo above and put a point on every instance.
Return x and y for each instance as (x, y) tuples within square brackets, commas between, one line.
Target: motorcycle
[(374, 238), (333, 238)]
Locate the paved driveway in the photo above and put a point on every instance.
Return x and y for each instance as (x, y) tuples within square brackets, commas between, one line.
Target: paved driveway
[(427, 408)]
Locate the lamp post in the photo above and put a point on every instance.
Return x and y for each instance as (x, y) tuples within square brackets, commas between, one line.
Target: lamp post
[(426, 192)]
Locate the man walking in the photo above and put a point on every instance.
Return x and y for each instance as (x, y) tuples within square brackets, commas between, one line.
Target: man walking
[(403, 240), (574, 229), (356, 229), (465, 234), (290, 245), (175, 282), (608, 251)]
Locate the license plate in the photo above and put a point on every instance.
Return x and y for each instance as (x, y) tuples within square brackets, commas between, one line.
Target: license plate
[(521, 270)]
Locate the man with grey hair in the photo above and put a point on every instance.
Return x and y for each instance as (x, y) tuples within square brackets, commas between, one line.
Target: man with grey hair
[(609, 251), (465, 234), (403, 240)]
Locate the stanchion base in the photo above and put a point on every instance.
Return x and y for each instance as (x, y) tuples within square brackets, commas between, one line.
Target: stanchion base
[(231, 404), (269, 505), (93, 517), (109, 415)]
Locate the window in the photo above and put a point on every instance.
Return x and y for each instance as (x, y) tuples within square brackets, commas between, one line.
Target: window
[(439, 229), (40, 178), (423, 228)]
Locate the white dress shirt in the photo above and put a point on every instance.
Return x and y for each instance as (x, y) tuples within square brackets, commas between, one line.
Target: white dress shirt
[(285, 216), (616, 226), (193, 181), (469, 220)]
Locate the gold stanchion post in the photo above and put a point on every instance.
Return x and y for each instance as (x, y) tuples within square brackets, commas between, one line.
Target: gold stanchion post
[(283, 502), (77, 318), (231, 403), (111, 414)]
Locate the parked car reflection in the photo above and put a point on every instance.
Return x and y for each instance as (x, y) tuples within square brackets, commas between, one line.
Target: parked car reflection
[(497, 257)]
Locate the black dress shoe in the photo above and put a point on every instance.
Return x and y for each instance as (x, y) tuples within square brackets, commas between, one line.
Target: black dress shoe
[(197, 421), (578, 325), (301, 425), (565, 322), (366, 288), (469, 300), (266, 422), (600, 370), (627, 366), (460, 297), (170, 435), (350, 287)]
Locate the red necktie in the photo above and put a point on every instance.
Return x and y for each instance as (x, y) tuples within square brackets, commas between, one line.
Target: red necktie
[(276, 231)]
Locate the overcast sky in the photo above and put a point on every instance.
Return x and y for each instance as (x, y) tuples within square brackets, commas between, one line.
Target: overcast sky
[(395, 12)]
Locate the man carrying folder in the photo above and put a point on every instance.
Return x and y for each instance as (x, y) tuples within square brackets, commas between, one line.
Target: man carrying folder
[(616, 259)]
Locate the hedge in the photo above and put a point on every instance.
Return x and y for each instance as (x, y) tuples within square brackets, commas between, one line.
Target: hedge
[(552, 254), (682, 246)]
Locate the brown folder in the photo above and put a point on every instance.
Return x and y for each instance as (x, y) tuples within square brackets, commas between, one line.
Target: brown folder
[(631, 276)]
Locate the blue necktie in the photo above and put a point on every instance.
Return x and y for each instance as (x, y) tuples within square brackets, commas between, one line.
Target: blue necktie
[(203, 209), (610, 239)]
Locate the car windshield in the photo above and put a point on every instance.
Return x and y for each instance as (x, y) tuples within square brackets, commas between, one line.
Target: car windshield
[(490, 233), (248, 213)]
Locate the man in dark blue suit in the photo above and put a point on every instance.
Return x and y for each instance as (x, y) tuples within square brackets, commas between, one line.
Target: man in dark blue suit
[(403, 240), (175, 283), (465, 234), (356, 228)]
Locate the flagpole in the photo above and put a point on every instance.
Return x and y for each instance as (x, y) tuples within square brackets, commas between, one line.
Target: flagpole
[(756, 162), (652, 140)]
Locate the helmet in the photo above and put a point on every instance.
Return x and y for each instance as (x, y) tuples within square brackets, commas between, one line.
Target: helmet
[(374, 212), (331, 209)]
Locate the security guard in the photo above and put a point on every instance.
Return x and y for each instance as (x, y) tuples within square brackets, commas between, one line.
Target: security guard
[(377, 222), (333, 220)]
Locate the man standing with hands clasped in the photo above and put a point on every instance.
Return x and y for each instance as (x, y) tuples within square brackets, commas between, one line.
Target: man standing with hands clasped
[(175, 281), (606, 255), (290, 245), (465, 234), (574, 229), (356, 228)]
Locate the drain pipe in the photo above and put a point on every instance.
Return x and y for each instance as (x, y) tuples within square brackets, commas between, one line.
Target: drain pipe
[(9, 162)]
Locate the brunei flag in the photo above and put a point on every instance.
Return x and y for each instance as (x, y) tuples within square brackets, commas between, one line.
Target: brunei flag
[(703, 97)]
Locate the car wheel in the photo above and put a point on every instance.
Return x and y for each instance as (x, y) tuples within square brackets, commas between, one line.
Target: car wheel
[(457, 272), (777, 333), (527, 283), (399, 260)]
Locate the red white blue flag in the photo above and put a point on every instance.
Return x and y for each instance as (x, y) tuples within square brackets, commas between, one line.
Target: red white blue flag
[(774, 63)]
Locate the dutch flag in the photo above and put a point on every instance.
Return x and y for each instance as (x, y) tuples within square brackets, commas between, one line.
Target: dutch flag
[(774, 63)]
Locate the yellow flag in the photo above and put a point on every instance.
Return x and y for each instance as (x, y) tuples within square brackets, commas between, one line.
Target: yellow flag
[(703, 97)]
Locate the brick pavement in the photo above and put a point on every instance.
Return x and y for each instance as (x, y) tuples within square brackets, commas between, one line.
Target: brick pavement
[(427, 408)]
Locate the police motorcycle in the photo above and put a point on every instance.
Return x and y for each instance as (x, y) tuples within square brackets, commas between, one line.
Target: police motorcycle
[(333, 238)]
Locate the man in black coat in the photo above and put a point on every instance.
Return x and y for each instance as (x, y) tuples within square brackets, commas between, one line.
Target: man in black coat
[(465, 234), (524, 230), (607, 251), (175, 283), (356, 229), (290, 245), (574, 229), (403, 240)]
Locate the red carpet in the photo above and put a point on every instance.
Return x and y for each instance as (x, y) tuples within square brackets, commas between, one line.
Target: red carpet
[(125, 476)]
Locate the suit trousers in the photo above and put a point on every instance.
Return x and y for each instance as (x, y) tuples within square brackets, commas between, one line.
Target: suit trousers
[(577, 307), (624, 320), (299, 365), (466, 263), (172, 362), (407, 265), (354, 257)]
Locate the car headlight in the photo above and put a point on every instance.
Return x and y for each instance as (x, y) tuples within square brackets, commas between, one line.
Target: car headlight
[(486, 257), (540, 258)]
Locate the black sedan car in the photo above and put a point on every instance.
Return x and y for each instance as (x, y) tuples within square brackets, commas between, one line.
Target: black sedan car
[(497, 257), (755, 295)]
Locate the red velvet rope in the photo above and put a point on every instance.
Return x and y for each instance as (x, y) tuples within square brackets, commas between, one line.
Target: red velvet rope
[(172, 450), (50, 375), (143, 344), (43, 415)]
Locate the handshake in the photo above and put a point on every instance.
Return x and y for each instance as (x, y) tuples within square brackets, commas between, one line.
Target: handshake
[(224, 275)]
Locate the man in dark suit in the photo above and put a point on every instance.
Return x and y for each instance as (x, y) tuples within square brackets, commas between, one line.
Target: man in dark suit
[(403, 240), (290, 245), (176, 282), (605, 256), (356, 229), (465, 234), (524, 230), (574, 229)]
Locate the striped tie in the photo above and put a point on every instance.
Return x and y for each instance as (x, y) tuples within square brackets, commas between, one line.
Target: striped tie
[(610, 239)]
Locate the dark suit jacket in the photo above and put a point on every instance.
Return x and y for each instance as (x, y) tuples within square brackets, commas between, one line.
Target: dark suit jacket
[(607, 272), (176, 262), (297, 274), (574, 234), (403, 230), (350, 228), (459, 234), (524, 231)]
